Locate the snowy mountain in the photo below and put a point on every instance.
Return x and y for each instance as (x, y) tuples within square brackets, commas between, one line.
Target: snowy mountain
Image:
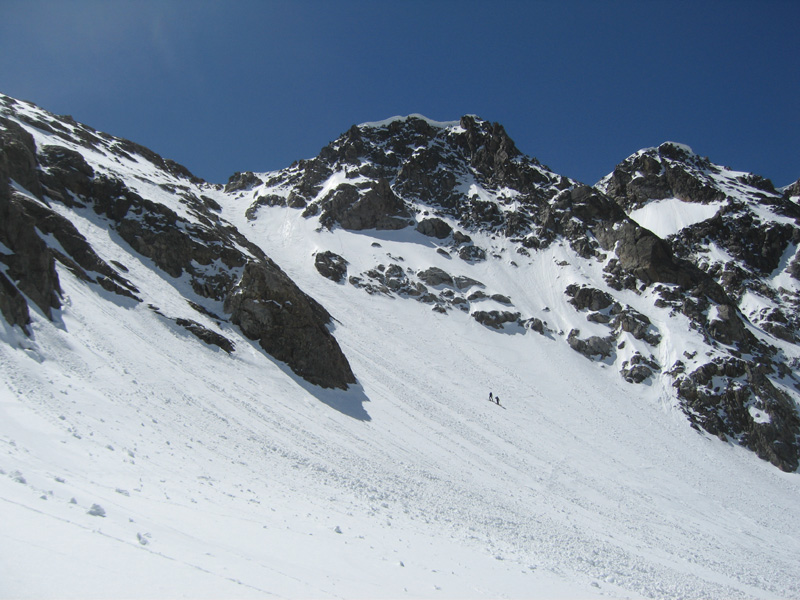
[(278, 387)]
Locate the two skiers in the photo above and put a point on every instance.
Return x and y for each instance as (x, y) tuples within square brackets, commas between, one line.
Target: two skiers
[(495, 399)]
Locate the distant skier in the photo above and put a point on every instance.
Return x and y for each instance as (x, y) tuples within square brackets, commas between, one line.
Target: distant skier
[(497, 399), (491, 398)]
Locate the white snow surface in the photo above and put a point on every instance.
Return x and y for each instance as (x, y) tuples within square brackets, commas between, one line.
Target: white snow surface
[(667, 217), (390, 120), (227, 476)]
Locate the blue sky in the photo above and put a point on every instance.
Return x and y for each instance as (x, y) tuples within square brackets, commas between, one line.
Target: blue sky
[(233, 86)]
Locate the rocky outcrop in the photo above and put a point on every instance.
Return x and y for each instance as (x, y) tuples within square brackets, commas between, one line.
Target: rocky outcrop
[(288, 324), (496, 319), (660, 173), (205, 334), (434, 227), (734, 399), (331, 265), (374, 208), (592, 347), (217, 261), (435, 276)]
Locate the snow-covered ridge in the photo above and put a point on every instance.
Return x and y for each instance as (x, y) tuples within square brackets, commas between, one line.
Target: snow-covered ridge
[(171, 465), (390, 120)]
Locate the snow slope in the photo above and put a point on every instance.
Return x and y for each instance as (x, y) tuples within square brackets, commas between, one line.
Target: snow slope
[(667, 217), (227, 476), (138, 462)]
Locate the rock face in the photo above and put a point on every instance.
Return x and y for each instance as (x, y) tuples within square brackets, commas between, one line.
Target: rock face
[(726, 275), (289, 325), (730, 258), (465, 181), (187, 240), (390, 172)]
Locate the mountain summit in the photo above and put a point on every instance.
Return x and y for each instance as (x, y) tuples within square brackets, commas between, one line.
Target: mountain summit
[(325, 337)]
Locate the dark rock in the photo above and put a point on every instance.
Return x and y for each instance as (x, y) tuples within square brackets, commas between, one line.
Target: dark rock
[(462, 282), (242, 181), (207, 335), (13, 306), (472, 253), (435, 276), (495, 319), (331, 265), (586, 297), (725, 326), (638, 369), (501, 299), (288, 324), (718, 397), (377, 208), (67, 169), (461, 238), (79, 250), (434, 227), (31, 266), (598, 317), (536, 325), (637, 324), (592, 346), (18, 157)]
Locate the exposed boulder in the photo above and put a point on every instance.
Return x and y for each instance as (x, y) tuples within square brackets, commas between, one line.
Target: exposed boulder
[(288, 324), (331, 265), (587, 297), (591, 347), (471, 253), (637, 324), (462, 282), (496, 319), (435, 276), (206, 335), (639, 369), (434, 227)]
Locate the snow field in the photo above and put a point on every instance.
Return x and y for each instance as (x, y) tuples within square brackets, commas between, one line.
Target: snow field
[(228, 476)]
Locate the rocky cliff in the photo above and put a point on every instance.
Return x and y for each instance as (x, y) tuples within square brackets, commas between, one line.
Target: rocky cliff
[(55, 172)]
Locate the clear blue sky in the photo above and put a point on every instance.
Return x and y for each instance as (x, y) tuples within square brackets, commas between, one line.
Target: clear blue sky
[(233, 86)]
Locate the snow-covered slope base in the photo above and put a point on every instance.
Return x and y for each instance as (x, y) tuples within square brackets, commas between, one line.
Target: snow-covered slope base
[(214, 475)]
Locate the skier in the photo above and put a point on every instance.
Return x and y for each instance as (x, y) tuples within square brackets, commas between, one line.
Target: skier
[(497, 399), (491, 399)]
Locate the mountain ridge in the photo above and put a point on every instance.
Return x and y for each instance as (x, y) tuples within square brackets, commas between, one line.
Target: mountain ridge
[(344, 319), (450, 180)]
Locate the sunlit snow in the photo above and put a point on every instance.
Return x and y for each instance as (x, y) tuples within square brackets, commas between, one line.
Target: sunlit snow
[(667, 217)]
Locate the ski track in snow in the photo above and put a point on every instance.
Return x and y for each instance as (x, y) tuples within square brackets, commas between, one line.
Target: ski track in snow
[(228, 476)]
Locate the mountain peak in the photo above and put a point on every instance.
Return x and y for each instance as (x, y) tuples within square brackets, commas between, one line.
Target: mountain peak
[(321, 341), (414, 116)]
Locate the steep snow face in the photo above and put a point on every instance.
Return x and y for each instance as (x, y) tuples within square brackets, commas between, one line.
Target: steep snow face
[(669, 216), (224, 475), (144, 457)]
